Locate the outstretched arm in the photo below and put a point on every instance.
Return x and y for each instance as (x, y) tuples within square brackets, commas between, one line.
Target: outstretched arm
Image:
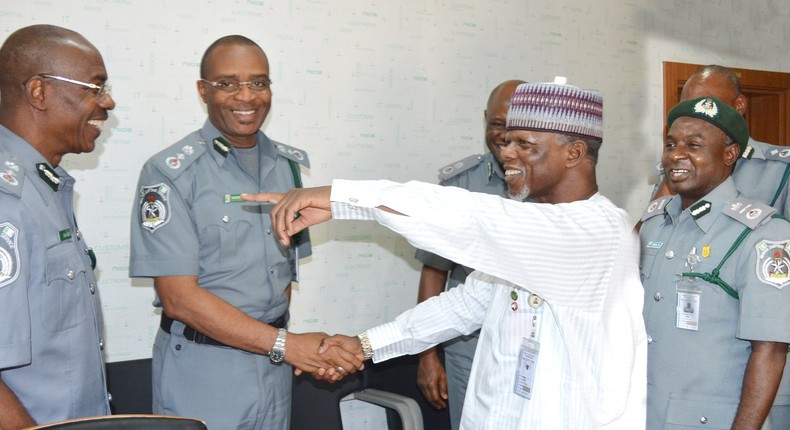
[(298, 209)]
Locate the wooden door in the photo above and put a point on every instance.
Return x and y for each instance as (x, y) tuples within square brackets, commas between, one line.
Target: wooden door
[(768, 112)]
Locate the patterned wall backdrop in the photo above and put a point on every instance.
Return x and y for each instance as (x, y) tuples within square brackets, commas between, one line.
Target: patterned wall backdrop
[(377, 89)]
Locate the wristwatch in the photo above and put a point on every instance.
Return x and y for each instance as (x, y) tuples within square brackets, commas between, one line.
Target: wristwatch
[(277, 353)]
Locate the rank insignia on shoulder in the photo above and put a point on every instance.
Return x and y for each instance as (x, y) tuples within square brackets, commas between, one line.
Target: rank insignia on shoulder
[(773, 263), (750, 213), (154, 206), (11, 175), (460, 166), (294, 154), (176, 158), (655, 207), (782, 155), (9, 254)]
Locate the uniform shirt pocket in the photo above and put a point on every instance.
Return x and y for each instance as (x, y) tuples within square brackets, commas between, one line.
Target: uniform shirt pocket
[(646, 262), (222, 243), (692, 411), (64, 294)]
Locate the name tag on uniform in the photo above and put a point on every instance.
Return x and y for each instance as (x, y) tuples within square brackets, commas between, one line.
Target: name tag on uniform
[(64, 235), (688, 308), (527, 364)]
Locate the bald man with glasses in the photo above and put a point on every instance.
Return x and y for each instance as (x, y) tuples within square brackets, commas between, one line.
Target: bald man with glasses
[(55, 99)]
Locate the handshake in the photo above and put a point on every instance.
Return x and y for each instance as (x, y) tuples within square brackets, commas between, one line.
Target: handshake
[(326, 358)]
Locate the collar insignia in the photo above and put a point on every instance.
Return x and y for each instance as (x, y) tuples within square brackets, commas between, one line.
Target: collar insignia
[(48, 175), (221, 146), (699, 209)]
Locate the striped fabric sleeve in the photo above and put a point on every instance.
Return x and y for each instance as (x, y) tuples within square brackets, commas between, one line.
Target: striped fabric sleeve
[(563, 252)]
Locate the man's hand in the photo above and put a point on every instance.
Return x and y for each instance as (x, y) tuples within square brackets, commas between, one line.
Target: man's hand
[(339, 342), (432, 379), (295, 210), (302, 352)]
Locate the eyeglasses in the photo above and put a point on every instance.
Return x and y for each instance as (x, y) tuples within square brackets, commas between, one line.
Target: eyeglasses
[(234, 86), (101, 90)]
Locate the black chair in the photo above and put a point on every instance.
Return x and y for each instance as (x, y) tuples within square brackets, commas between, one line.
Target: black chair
[(126, 422)]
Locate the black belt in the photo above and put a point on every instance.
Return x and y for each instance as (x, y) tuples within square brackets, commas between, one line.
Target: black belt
[(195, 336)]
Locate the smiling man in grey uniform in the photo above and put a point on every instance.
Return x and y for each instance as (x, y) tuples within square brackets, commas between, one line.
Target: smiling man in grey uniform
[(54, 101), (222, 278), (714, 266)]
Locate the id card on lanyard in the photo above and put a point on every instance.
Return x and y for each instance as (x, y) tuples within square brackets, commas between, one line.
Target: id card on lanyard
[(688, 306), (529, 351), (689, 294)]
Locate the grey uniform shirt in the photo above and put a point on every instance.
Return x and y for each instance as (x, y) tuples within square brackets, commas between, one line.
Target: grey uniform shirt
[(484, 176), (695, 377), (50, 318), (181, 227), (762, 172)]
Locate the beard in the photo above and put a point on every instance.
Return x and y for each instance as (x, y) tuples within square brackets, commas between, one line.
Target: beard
[(519, 195)]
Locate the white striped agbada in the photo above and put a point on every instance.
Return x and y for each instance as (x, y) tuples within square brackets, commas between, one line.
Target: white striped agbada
[(581, 257)]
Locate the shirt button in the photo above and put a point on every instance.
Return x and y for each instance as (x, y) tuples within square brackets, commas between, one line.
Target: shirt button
[(87, 251), (670, 254), (79, 235), (271, 270), (92, 288), (703, 420), (657, 297), (178, 347), (70, 275), (225, 218), (101, 344), (109, 397), (649, 339)]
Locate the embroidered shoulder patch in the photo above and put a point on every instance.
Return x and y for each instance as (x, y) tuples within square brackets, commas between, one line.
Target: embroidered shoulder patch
[(154, 206), (773, 263), (9, 254)]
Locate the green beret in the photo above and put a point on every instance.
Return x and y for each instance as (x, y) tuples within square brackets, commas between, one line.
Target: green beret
[(716, 112)]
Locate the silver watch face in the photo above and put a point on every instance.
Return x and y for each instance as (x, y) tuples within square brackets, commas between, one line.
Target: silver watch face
[(276, 355)]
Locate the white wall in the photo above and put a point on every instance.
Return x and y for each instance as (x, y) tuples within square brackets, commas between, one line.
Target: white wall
[(377, 89)]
